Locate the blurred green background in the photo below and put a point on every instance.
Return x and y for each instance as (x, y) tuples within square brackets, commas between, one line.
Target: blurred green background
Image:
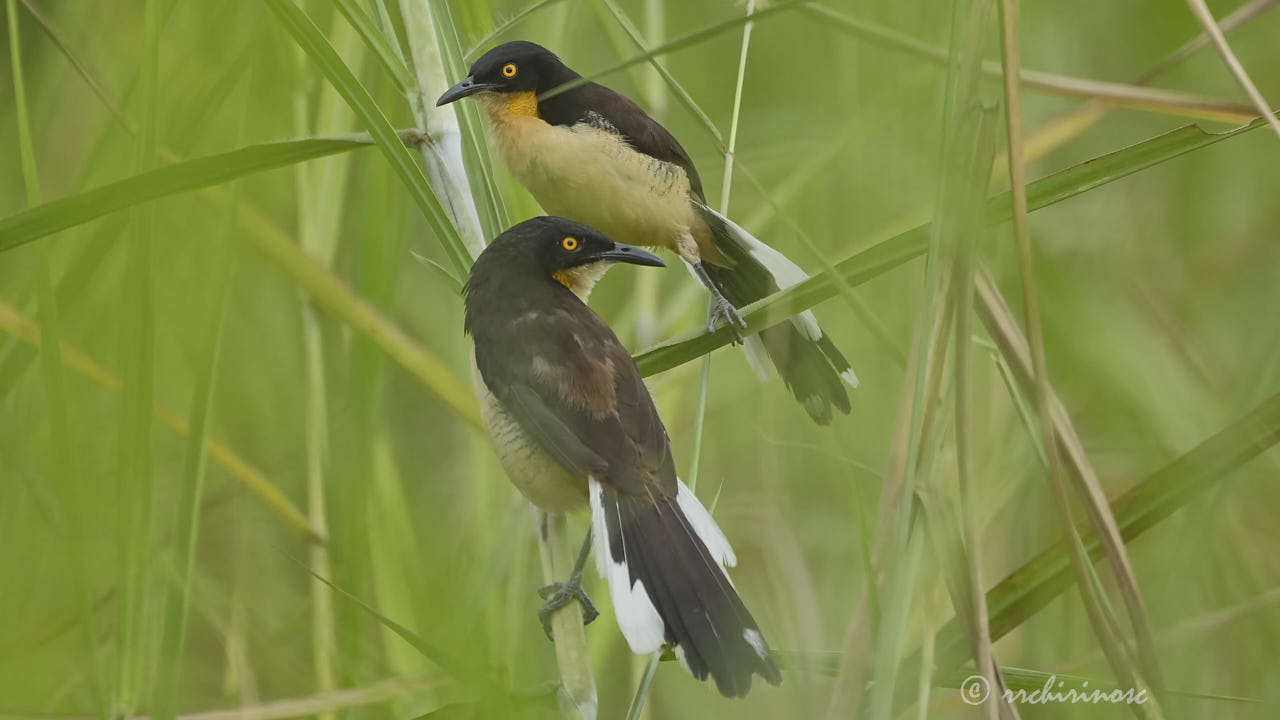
[(1160, 295)]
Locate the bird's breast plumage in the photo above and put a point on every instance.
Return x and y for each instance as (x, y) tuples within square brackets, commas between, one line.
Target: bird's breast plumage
[(534, 473), (589, 173)]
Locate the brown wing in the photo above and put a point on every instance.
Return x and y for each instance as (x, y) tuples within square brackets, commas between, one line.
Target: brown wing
[(573, 387)]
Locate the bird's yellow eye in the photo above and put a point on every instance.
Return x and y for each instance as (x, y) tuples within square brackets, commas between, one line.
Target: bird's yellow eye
[(509, 70), (569, 243)]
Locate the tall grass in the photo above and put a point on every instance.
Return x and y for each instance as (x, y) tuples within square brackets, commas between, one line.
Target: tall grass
[(211, 316)]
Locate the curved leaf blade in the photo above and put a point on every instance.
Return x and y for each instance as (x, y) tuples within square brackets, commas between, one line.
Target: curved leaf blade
[(73, 210)]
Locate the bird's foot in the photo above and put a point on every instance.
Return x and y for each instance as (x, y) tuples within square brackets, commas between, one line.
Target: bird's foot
[(557, 595), (723, 312)]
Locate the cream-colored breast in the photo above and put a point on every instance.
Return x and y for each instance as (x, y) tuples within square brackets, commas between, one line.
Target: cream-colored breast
[(534, 473), (593, 176)]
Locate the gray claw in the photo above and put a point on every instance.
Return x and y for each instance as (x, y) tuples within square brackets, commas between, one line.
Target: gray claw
[(723, 312), (557, 595)]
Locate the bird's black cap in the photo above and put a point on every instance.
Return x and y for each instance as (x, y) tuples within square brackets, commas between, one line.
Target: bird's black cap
[(539, 250), (517, 66)]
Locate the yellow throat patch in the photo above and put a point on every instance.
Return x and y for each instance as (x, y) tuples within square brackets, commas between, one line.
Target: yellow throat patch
[(523, 103)]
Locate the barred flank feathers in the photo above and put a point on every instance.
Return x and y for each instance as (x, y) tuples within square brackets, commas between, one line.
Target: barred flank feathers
[(664, 559), (806, 359)]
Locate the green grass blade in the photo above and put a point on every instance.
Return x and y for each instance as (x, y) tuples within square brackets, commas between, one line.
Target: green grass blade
[(135, 480), (678, 44), (676, 88), (699, 420), (234, 464), (335, 296), (846, 291), (396, 544), (966, 574), (1032, 586), (66, 471), (319, 110), (82, 207), (383, 49), (483, 44), (81, 68), (325, 657), (26, 150), (642, 690), (440, 270), (187, 526), (436, 654), (310, 39), (704, 375), (961, 182), (893, 623), (875, 261), (319, 187)]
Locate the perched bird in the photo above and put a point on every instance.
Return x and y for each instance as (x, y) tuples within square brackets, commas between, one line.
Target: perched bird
[(574, 426), (592, 155)]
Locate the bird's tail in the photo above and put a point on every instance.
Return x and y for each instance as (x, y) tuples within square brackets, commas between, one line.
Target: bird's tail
[(665, 561), (810, 364)]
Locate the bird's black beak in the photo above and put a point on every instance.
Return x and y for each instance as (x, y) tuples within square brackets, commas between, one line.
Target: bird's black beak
[(629, 254), (466, 88)]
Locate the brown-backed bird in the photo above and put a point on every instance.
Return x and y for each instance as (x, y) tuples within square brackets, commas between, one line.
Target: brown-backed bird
[(574, 426), (592, 155)]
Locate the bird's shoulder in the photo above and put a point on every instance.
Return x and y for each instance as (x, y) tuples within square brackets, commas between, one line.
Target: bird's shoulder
[(598, 106)]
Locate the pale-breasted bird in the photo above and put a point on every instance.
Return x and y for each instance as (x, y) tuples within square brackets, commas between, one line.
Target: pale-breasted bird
[(574, 426), (592, 155)]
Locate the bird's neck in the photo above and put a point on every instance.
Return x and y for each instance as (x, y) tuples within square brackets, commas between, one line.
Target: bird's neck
[(581, 280), (502, 298), (504, 108)]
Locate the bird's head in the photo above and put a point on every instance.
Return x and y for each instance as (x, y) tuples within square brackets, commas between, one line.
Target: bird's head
[(552, 249), (513, 74)]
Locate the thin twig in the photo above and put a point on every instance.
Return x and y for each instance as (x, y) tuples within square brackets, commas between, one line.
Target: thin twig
[(1205, 18), (856, 648), (1238, 17), (1134, 95), (80, 66), (678, 44)]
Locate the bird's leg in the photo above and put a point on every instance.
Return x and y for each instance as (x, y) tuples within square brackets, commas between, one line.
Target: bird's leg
[(722, 311), (557, 595)]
